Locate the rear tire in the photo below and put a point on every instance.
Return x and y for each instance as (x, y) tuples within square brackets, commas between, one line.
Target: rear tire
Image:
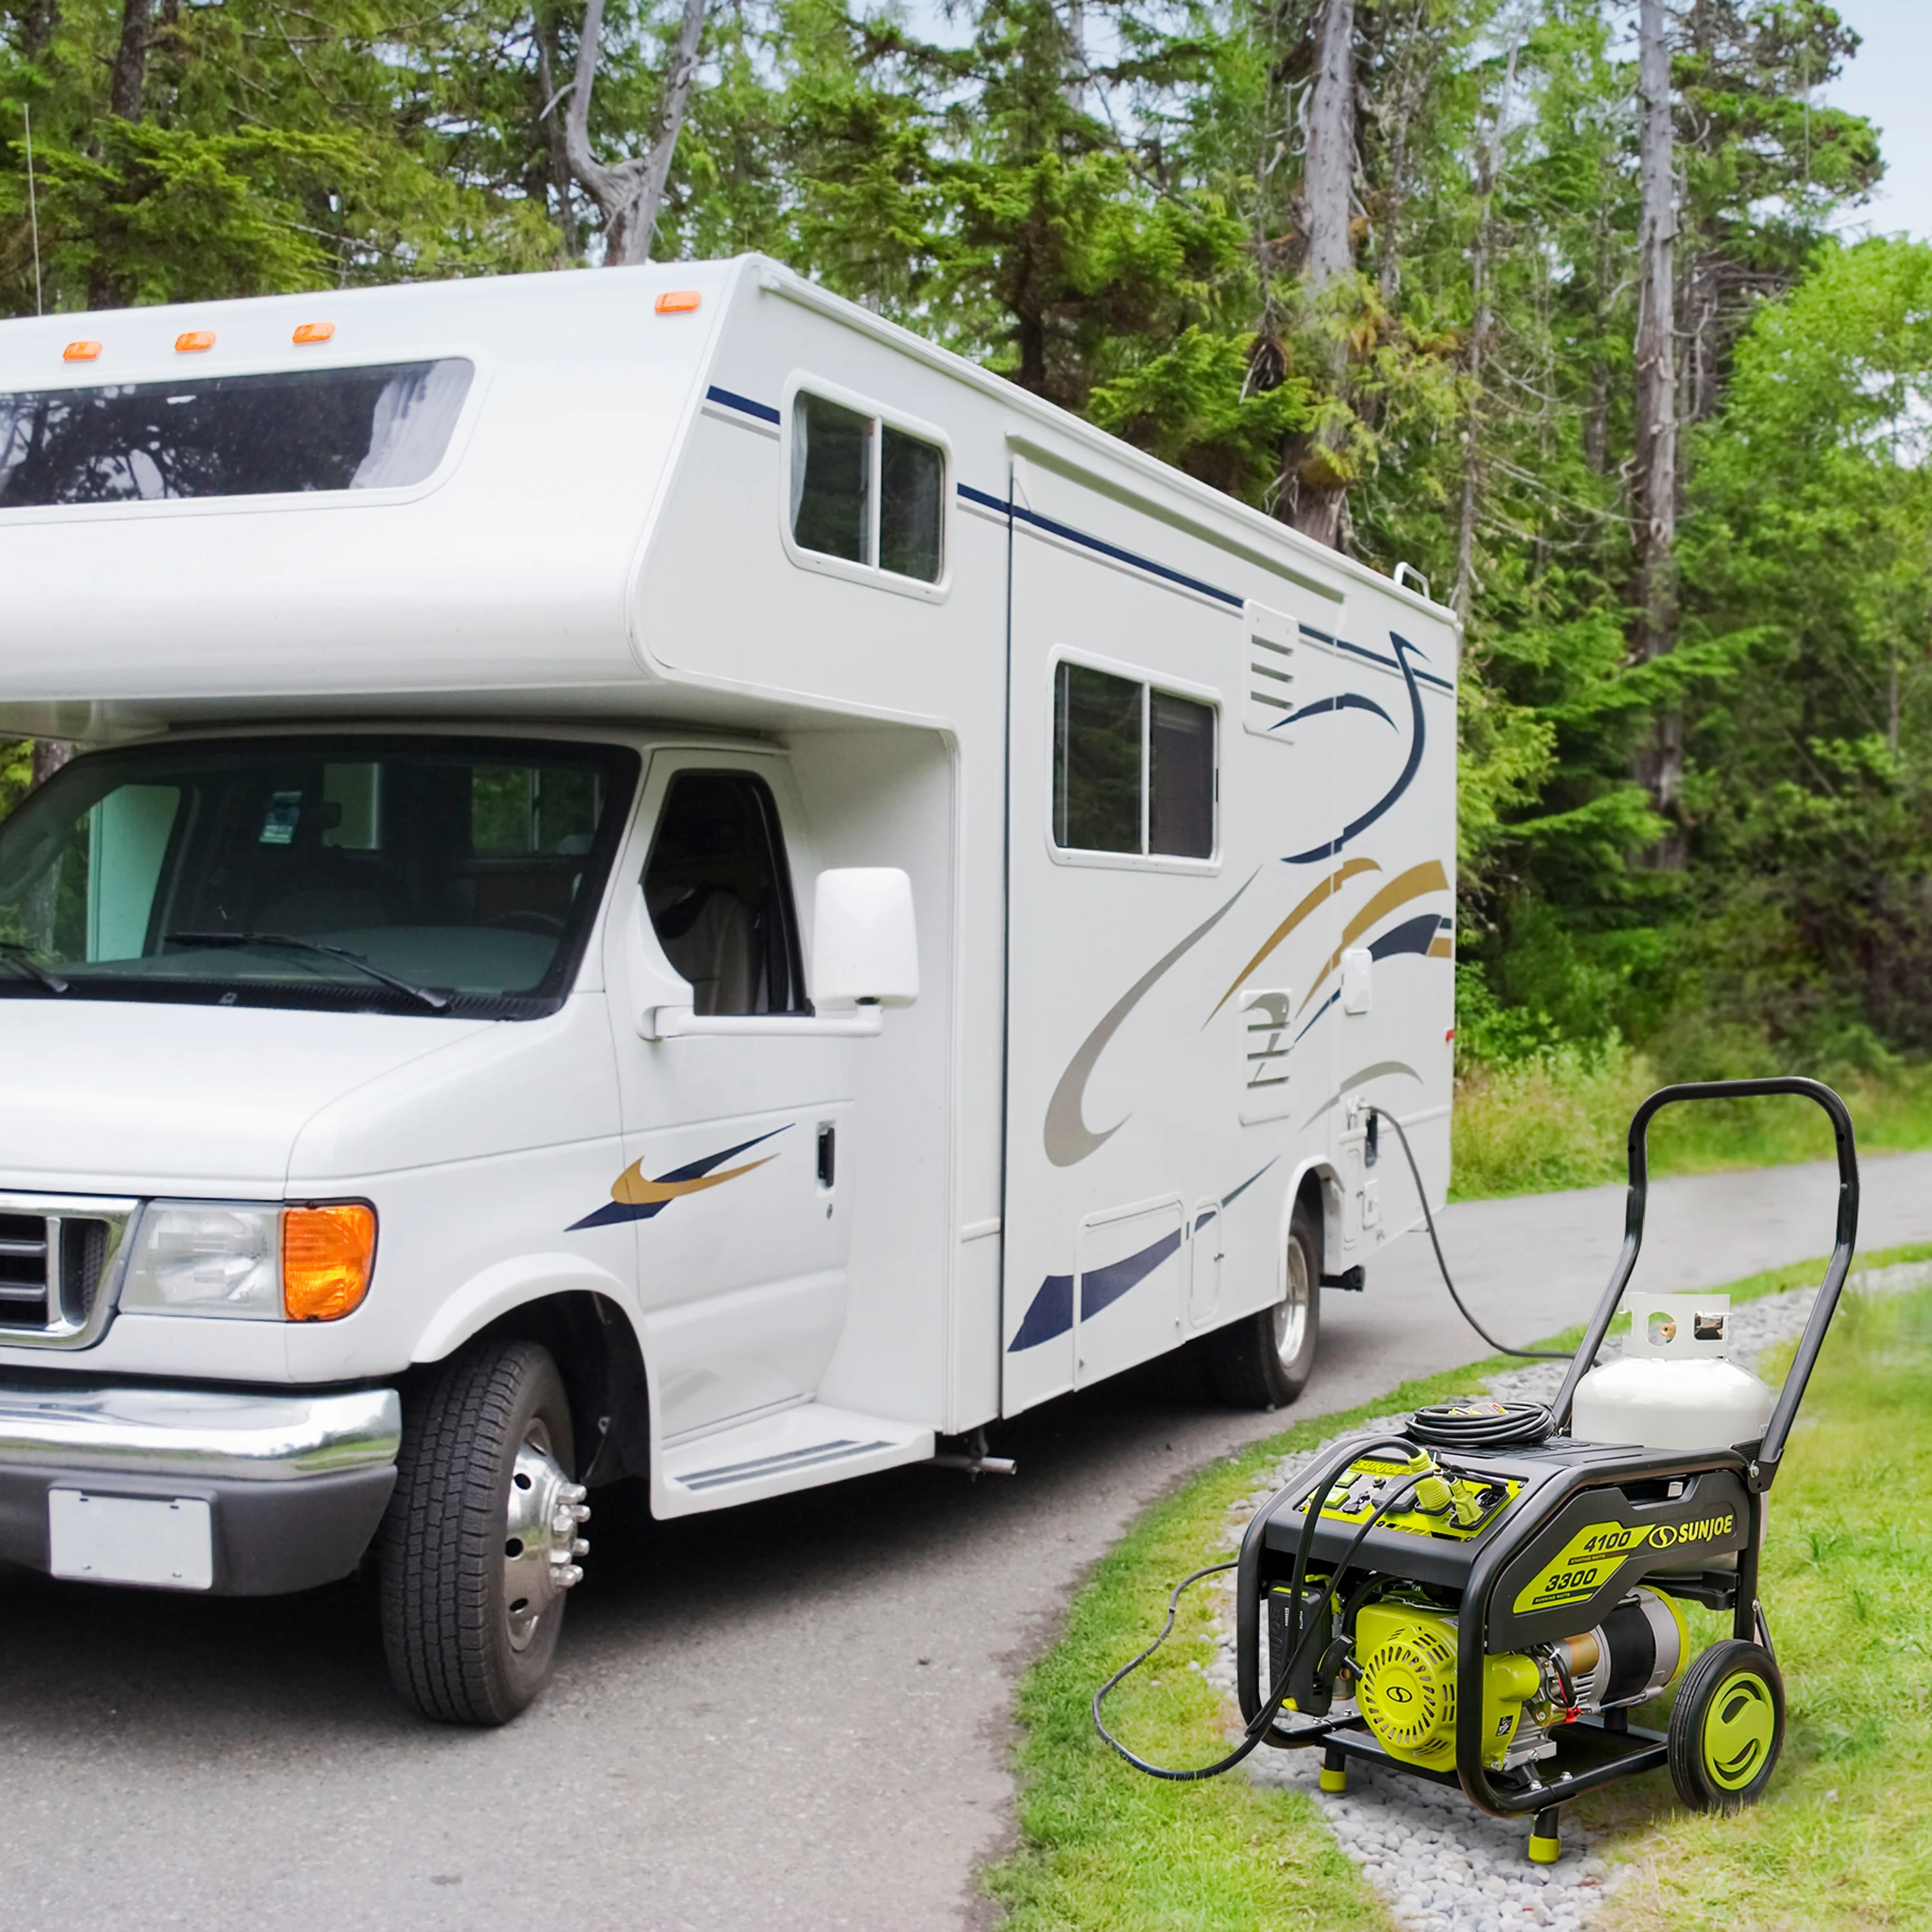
[(1727, 1727), (1264, 1361), (479, 1545)]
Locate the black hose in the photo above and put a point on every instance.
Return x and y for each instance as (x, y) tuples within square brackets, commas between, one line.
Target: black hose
[(1435, 1241), (1263, 1719)]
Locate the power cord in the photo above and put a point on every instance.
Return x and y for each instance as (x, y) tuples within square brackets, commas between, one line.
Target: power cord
[(1435, 1241), (1262, 1723)]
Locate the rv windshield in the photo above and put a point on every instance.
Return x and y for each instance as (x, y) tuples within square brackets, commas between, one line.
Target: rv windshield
[(417, 875), (382, 427)]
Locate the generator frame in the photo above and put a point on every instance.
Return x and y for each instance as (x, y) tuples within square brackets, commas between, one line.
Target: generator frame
[(1599, 1749)]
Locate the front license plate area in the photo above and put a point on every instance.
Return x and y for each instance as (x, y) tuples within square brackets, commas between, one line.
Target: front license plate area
[(166, 1542)]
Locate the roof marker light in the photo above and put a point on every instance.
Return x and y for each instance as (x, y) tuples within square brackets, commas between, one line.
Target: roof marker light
[(314, 332), (192, 339), (80, 352), (678, 302)]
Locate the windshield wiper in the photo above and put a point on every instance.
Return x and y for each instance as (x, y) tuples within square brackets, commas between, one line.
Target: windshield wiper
[(288, 942), (16, 954)]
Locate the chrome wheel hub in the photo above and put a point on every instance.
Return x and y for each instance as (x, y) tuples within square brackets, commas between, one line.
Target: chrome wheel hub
[(541, 1542), (1291, 1314)]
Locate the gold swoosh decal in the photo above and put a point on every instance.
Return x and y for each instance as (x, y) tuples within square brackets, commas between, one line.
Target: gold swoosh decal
[(635, 1189), (1064, 1132), (1349, 870), (1428, 876)]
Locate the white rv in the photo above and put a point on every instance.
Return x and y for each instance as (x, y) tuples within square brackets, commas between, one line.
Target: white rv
[(668, 882)]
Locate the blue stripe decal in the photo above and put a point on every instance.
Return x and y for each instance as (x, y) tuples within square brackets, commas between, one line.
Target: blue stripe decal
[(1413, 935), (763, 411), (984, 501), (1393, 664), (1349, 700)]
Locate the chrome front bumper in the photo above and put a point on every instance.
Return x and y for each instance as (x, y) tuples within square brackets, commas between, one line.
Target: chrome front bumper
[(133, 1430)]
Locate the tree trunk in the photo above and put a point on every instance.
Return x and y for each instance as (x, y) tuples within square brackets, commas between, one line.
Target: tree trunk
[(630, 193), (1659, 764), (1480, 322), (50, 755), (129, 75), (38, 29), (1317, 493), (562, 185)]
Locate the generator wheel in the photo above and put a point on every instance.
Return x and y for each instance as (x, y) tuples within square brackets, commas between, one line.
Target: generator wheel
[(479, 1543), (1727, 1727), (1264, 1359)]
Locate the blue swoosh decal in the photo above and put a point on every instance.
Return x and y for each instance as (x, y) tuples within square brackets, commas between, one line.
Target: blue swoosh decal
[(1404, 650), (1349, 700), (1051, 1311)]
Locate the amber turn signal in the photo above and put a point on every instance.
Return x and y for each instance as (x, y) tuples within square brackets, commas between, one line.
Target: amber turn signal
[(326, 1254), (677, 302), (314, 332), (80, 352), (191, 339)]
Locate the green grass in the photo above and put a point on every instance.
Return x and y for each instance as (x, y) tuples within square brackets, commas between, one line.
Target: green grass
[(1559, 1121), (1101, 1846)]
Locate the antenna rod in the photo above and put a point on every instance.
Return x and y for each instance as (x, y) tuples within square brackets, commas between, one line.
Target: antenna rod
[(33, 207)]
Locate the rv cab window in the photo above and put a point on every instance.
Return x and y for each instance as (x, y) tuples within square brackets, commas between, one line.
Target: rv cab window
[(1134, 768), (866, 491), (719, 894)]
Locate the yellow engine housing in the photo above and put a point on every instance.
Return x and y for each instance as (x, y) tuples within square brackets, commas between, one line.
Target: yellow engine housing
[(1407, 1692)]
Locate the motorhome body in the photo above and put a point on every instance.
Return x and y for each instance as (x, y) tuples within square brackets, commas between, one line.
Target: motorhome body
[(741, 895)]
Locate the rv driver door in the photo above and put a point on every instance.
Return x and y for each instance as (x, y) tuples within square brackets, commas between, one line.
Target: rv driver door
[(736, 1141)]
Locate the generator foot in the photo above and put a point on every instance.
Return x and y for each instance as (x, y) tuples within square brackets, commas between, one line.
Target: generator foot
[(1334, 1772), (1545, 1843)]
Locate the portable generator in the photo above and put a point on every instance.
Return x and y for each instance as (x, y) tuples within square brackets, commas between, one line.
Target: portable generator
[(1484, 1598)]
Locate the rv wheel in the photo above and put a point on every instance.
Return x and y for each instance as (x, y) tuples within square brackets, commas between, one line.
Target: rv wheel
[(1263, 1361), (479, 1544)]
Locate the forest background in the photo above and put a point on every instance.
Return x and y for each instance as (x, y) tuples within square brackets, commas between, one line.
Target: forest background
[(1545, 299)]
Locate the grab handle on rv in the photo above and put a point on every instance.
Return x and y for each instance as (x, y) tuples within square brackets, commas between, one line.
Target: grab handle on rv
[(1764, 1466)]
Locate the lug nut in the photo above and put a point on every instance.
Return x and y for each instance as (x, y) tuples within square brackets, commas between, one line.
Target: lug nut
[(581, 1547), (568, 1577)]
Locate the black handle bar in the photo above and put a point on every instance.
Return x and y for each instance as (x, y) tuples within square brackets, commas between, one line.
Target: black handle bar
[(1765, 1464)]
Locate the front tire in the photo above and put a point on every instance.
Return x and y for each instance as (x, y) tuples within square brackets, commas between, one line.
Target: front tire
[(479, 1545), (1264, 1361), (1727, 1727)]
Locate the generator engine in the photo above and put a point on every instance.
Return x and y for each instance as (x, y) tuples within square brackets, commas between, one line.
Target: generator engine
[(1405, 1678)]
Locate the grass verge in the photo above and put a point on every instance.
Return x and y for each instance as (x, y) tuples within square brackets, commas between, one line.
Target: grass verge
[(1559, 1121), (1101, 1846)]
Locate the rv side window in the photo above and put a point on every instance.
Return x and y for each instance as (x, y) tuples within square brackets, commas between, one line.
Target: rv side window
[(719, 893), (866, 492), (1134, 768)]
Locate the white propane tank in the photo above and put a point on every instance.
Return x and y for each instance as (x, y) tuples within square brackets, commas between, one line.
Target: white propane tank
[(1672, 1389)]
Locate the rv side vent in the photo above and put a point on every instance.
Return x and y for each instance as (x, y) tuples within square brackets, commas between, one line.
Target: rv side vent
[(1268, 678)]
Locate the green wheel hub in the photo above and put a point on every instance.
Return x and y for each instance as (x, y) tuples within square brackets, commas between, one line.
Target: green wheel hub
[(1739, 1725)]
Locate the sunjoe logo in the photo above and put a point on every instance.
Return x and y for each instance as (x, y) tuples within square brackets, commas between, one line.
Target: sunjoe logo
[(1667, 1535)]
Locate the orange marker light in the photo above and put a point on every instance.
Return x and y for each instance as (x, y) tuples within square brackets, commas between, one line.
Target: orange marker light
[(192, 339), (80, 352), (326, 1253), (678, 302), (314, 332)]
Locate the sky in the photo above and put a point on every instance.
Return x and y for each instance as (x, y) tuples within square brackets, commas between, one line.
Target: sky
[(1887, 83)]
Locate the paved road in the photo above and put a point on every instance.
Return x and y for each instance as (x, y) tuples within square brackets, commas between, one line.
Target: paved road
[(792, 1718)]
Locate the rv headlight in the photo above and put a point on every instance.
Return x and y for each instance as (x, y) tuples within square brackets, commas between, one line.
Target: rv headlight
[(207, 1258), (260, 1263)]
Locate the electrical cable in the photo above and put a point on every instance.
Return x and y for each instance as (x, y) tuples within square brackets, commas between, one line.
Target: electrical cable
[(1262, 1723), (1482, 1425), (1435, 1242)]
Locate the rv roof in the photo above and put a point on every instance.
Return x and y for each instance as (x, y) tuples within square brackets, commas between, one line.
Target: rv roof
[(489, 556)]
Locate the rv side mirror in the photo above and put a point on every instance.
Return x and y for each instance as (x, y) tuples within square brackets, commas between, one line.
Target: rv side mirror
[(865, 943)]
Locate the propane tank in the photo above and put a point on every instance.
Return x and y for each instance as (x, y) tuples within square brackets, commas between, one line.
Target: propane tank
[(1673, 1389)]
